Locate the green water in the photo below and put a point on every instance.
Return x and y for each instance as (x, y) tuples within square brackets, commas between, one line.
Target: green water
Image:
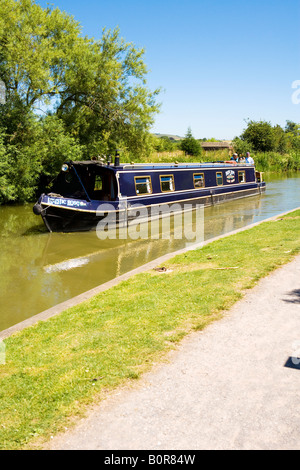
[(39, 270)]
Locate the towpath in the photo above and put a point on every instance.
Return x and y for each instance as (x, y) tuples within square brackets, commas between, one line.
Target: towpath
[(236, 385)]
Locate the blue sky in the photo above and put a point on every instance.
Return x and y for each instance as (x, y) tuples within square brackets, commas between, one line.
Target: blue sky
[(219, 62)]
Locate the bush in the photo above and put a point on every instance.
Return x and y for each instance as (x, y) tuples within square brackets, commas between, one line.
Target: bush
[(27, 167), (274, 161), (260, 135), (6, 189), (190, 145)]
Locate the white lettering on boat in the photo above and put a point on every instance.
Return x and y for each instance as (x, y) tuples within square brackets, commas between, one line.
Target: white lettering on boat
[(66, 202)]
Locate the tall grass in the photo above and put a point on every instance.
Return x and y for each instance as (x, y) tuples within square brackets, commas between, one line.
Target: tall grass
[(272, 161), (264, 161)]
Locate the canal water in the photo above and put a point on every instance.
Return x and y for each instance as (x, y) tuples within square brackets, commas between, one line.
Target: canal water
[(39, 269)]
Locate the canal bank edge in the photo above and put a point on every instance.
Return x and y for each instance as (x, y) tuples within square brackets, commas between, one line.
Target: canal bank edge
[(46, 314)]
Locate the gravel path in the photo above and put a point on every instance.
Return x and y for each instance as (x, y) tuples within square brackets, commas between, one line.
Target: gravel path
[(228, 387)]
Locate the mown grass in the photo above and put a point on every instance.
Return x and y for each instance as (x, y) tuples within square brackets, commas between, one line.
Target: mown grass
[(57, 367)]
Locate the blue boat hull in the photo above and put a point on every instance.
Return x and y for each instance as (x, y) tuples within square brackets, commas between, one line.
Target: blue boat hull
[(67, 215)]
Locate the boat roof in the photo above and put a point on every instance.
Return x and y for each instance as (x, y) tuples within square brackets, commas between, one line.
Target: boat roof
[(159, 166)]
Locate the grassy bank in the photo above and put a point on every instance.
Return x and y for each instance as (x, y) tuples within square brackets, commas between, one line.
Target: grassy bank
[(55, 368)]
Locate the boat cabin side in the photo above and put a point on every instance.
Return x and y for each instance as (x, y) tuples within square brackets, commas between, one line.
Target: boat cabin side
[(91, 181), (138, 182)]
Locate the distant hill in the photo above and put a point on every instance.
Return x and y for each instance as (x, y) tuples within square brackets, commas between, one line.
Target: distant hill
[(170, 136)]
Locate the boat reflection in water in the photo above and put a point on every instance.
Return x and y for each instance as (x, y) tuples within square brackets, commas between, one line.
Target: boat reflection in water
[(102, 260)]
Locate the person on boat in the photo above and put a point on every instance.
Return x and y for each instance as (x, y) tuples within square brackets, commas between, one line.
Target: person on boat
[(241, 159), (249, 159)]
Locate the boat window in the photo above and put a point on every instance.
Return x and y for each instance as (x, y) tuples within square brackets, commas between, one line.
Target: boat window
[(199, 181), (98, 183), (219, 178), (242, 177), (103, 188), (67, 184), (167, 183), (143, 185)]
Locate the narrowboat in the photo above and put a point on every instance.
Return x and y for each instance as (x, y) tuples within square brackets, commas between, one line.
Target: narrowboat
[(82, 187)]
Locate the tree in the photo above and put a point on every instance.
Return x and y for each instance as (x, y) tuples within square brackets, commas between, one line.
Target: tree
[(95, 87), (280, 139), (292, 132), (34, 51), (260, 135), (6, 189), (190, 145), (292, 128), (93, 95), (163, 144), (241, 146), (113, 100)]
